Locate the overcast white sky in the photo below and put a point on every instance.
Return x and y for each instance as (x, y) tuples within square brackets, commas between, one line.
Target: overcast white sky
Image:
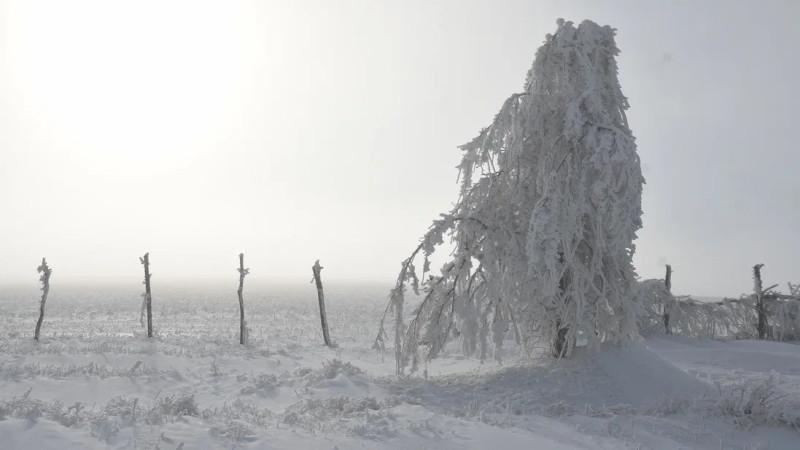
[(300, 130)]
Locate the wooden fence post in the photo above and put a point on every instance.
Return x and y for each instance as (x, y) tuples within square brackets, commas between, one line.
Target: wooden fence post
[(148, 298), (45, 270), (242, 326), (668, 285), (760, 310), (316, 269)]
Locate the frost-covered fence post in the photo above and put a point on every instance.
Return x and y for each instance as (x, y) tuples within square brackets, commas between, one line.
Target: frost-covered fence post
[(240, 291), (668, 286), (760, 308), (316, 269), (148, 298), (45, 272)]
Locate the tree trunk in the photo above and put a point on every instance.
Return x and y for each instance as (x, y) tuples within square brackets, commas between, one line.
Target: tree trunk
[(45, 279), (316, 269), (561, 346), (148, 297), (668, 285), (242, 273), (560, 342), (760, 309)]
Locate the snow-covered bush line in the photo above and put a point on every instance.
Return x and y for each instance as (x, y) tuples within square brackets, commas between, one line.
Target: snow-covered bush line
[(362, 416), (266, 384), (15, 371), (236, 421), (104, 422), (748, 404), (735, 318), (693, 318), (727, 318), (180, 346)]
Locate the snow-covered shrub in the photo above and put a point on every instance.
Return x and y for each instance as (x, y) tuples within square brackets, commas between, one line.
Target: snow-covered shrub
[(238, 411), (333, 368), (170, 406), (784, 318), (105, 428), (725, 318), (669, 405), (263, 384), (543, 229), (21, 406), (755, 403), (375, 425), (122, 407), (234, 431)]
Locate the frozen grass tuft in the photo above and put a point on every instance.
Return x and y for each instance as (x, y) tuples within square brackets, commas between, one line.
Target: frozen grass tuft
[(264, 385)]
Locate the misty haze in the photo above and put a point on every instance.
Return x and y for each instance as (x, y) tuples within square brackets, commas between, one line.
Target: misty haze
[(399, 225)]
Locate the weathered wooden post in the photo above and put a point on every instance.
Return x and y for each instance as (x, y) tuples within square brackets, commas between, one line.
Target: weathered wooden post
[(45, 271), (242, 326), (668, 286), (316, 269), (148, 298), (760, 310)]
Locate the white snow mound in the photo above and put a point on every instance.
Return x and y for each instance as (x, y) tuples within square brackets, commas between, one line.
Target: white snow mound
[(638, 377)]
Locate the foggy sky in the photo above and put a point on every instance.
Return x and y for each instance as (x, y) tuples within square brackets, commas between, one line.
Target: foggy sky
[(299, 130)]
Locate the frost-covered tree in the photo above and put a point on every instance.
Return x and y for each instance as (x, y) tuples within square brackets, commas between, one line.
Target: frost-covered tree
[(543, 228)]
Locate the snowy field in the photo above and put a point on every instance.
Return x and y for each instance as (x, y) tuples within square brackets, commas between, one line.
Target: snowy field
[(94, 381)]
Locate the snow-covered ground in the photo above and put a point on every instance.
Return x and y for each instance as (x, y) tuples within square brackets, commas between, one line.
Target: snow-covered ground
[(94, 381)]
